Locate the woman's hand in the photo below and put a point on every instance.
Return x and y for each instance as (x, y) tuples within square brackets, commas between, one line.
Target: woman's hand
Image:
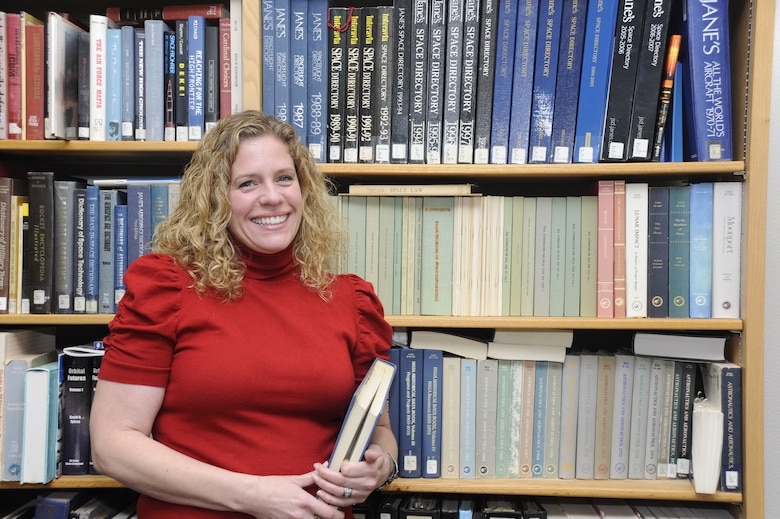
[(285, 497), (356, 481)]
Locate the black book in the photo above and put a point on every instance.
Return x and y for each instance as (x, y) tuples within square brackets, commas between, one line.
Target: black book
[(486, 72), (418, 89), (399, 132), (351, 87), (688, 390), (40, 251), (367, 85), (76, 403), (80, 252), (451, 96), (337, 50), (468, 81), (83, 85), (180, 92), (169, 84), (384, 38), (421, 506), (211, 72), (436, 75)]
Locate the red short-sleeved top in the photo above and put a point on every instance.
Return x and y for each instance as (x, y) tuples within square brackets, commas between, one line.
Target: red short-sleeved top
[(257, 386)]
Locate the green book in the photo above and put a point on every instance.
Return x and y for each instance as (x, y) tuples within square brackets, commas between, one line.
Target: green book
[(506, 264), (437, 251), (371, 273), (356, 232), (573, 237), (398, 253), (386, 251), (558, 256), (588, 256), (542, 251), (515, 286), (503, 418), (529, 246)]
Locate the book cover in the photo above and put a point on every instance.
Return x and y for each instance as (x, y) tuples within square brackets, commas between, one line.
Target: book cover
[(83, 81), (317, 79), (16, 250), (337, 48), (62, 95), (375, 410), (92, 247), (351, 85), (34, 81), (589, 256), (40, 253), (655, 403), (6, 211), (685, 446), (169, 84), (706, 62), (432, 365), (486, 63), (567, 84), (452, 71), (640, 394), (468, 418), (506, 31), (282, 68), (59, 503), (196, 50), (438, 242), (383, 95), (636, 249), (98, 27), (620, 435), (542, 256), (658, 252), (570, 385), (649, 80), (539, 416), (674, 421), (108, 199), (139, 129), (606, 240), (410, 439), (154, 84), (679, 250), (418, 80), (120, 253), (527, 421), (586, 416), (14, 75), (682, 345), (76, 403), (3, 81), (80, 251), (515, 407), (619, 247), (64, 244), (468, 80), (545, 78), (402, 45), (726, 249), (503, 409), (723, 385), (114, 84), (552, 424), (700, 251), (181, 97), (450, 417), (527, 276), (436, 68), (267, 32), (39, 436), (128, 96), (367, 86), (506, 254), (298, 68), (605, 394), (594, 82), (527, 41), (139, 220), (211, 73), (486, 416), (620, 97)]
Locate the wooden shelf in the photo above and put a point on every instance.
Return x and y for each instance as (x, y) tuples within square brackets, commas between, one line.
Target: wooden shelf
[(674, 490), (67, 482)]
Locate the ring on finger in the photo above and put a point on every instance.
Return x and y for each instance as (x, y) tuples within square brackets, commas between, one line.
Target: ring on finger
[(347, 492)]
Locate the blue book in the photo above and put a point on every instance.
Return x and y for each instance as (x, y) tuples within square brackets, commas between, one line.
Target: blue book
[(317, 78), (158, 207), (705, 60), (92, 246), (196, 76), (528, 19), (298, 68), (502, 81), (120, 251), (128, 97), (540, 410), (468, 418), (432, 395), (658, 285), (700, 302), (282, 66), (154, 95), (673, 139), (545, 77), (594, 82), (567, 84), (679, 250), (108, 199), (139, 221), (269, 59), (394, 399), (410, 439), (114, 84), (39, 437), (58, 504)]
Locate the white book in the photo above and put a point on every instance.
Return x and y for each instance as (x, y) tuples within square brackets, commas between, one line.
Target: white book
[(533, 337), (586, 417), (542, 252), (655, 406), (529, 248), (558, 239), (636, 249), (454, 344), (640, 395), (371, 273), (515, 417), (237, 57), (98, 28), (621, 416), (726, 249), (573, 251), (515, 283), (450, 417), (570, 387)]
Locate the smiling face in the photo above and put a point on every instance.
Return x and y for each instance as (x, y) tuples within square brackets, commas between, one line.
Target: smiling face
[(265, 195)]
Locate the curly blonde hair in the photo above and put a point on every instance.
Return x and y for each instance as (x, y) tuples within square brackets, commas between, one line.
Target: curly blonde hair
[(196, 233)]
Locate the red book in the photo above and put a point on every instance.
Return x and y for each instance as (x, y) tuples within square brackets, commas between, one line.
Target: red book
[(168, 13), (620, 248), (225, 75), (605, 271), (35, 57), (14, 98)]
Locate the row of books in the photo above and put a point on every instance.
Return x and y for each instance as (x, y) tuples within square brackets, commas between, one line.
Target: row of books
[(500, 82), (630, 249), (67, 244), (596, 415), (73, 504), (115, 79), (455, 506)]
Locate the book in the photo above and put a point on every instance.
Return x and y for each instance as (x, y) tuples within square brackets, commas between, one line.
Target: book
[(726, 249), (505, 351), (455, 344), (34, 78), (707, 432), (410, 438), (702, 347), (120, 253), (362, 414), (655, 403), (605, 395), (98, 27), (486, 63), (619, 249), (452, 72), (620, 435), (432, 366), (688, 393), (606, 240), (41, 408), (700, 252), (64, 245), (40, 253), (196, 87), (706, 62), (337, 48), (62, 96), (679, 250), (154, 82), (658, 252), (4, 81), (169, 13), (128, 94), (353, 58), (411, 189), (6, 212), (59, 503), (636, 249), (435, 69), (298, 69), (722, 382), (594, 82), (527, 422), (468, 418), (181, 97), (91, 240), (114, 84), (570, 382), (418, 81), (486, 416), (552, 424), (108, 199), (450, 417), (317, 79), (140, 123), (469, 61), (437, 250), (503, 419), (229, 33), (589, 256), (542, 252), (586, 417), (399, 114), (667, 94), (282, 68), (14, 76), (506, 30), (639, 405), (540, 408)]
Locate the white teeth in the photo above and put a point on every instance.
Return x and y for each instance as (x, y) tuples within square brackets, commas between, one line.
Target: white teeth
[(270, 220)]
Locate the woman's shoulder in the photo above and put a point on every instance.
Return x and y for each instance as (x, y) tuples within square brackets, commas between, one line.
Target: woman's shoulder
[(155, 268)]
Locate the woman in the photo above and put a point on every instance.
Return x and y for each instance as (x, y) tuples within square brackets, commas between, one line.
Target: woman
[(235, 351)]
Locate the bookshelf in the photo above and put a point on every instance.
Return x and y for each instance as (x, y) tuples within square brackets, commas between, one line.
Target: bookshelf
[(751, 47)]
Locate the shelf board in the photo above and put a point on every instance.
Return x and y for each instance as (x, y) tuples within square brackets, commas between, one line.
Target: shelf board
[(54, 319), (675, 490), (89, 481)]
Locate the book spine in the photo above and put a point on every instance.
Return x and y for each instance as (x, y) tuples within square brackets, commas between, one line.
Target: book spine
[(552, 425), (169, 85), (154, 92), (731, 404), (679, 250), (649, 74), (317, 79), (40, 253), (410, 440), (196, 49), (437, 56), (527, 419), (35, 84), (80, 252), (6, 210), (418, 87), (107, 200), (515, 417), (503, 411), (76, 401), (236, 19), (92, 249), (432, 364), (14, 75), (573, 259), (638, 436), (399, 134), (543, 251), (506, 254), (437, 250), (528, 257), (385, 59), (450, 418), (545, 77), (619, 247), (662, 471), (707, 62), (658, 252), (570, 381), (120, 253), (281, 48), (620, 99), (337, 48), (3, 76), (133, 15), (139, 129), (700, 251), (655, 405), (502, 81), (128, 95), (685, 436), (605, 392), (594, 83), (486, 405), (674, 421), (726, 240), (367, 86), (268, 31), (486, 63), (529, 16), (452, 77), (114, 84), (225, 81), (298, 68), (468, 81), (208, 11), (540, 410), (606, 240), (351, 83), (589, 256), (468, 417), (64, 216), (98, 27), (567, 84), (83, 86), (211, 77), (636, 249), (621, 416), (138, 221), (586, 417)]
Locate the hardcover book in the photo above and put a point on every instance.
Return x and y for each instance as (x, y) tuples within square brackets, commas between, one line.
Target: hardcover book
[(438, 242), (605, 394), (383, 95), (181, 97), (436, 71), (640, 394), (58, 504), (621, 416), (552, 424), (432, 364), (450, 417), (267, 33), (468, 418), (410, 434), (154, 91), (367, 86), (679, 250), (399, 134), (35, 81), (454, 49), (64, 244), (586, 416), (523, 87), (636, 249), (726, 249), (723, 385), (63, 89), (619, 246), (486, 415), (196, 50), (468, 81), (700, 251), (570, 382), (92, 247), (418, 81), (40, 252), (128, 81), (282, 68), (41, 414), (80, 251), (506, 30), (527, 422), (14, 76), (139, 128), (658, 252), (488, 30), (98, 27), (337, 48), (606, 240), (351, 84), (114, 84), (317, 79), (298, 68), (169, 13), (211, 74)]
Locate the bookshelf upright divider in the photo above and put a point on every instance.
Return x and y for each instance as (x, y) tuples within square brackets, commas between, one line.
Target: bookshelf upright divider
[(752, 33)]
